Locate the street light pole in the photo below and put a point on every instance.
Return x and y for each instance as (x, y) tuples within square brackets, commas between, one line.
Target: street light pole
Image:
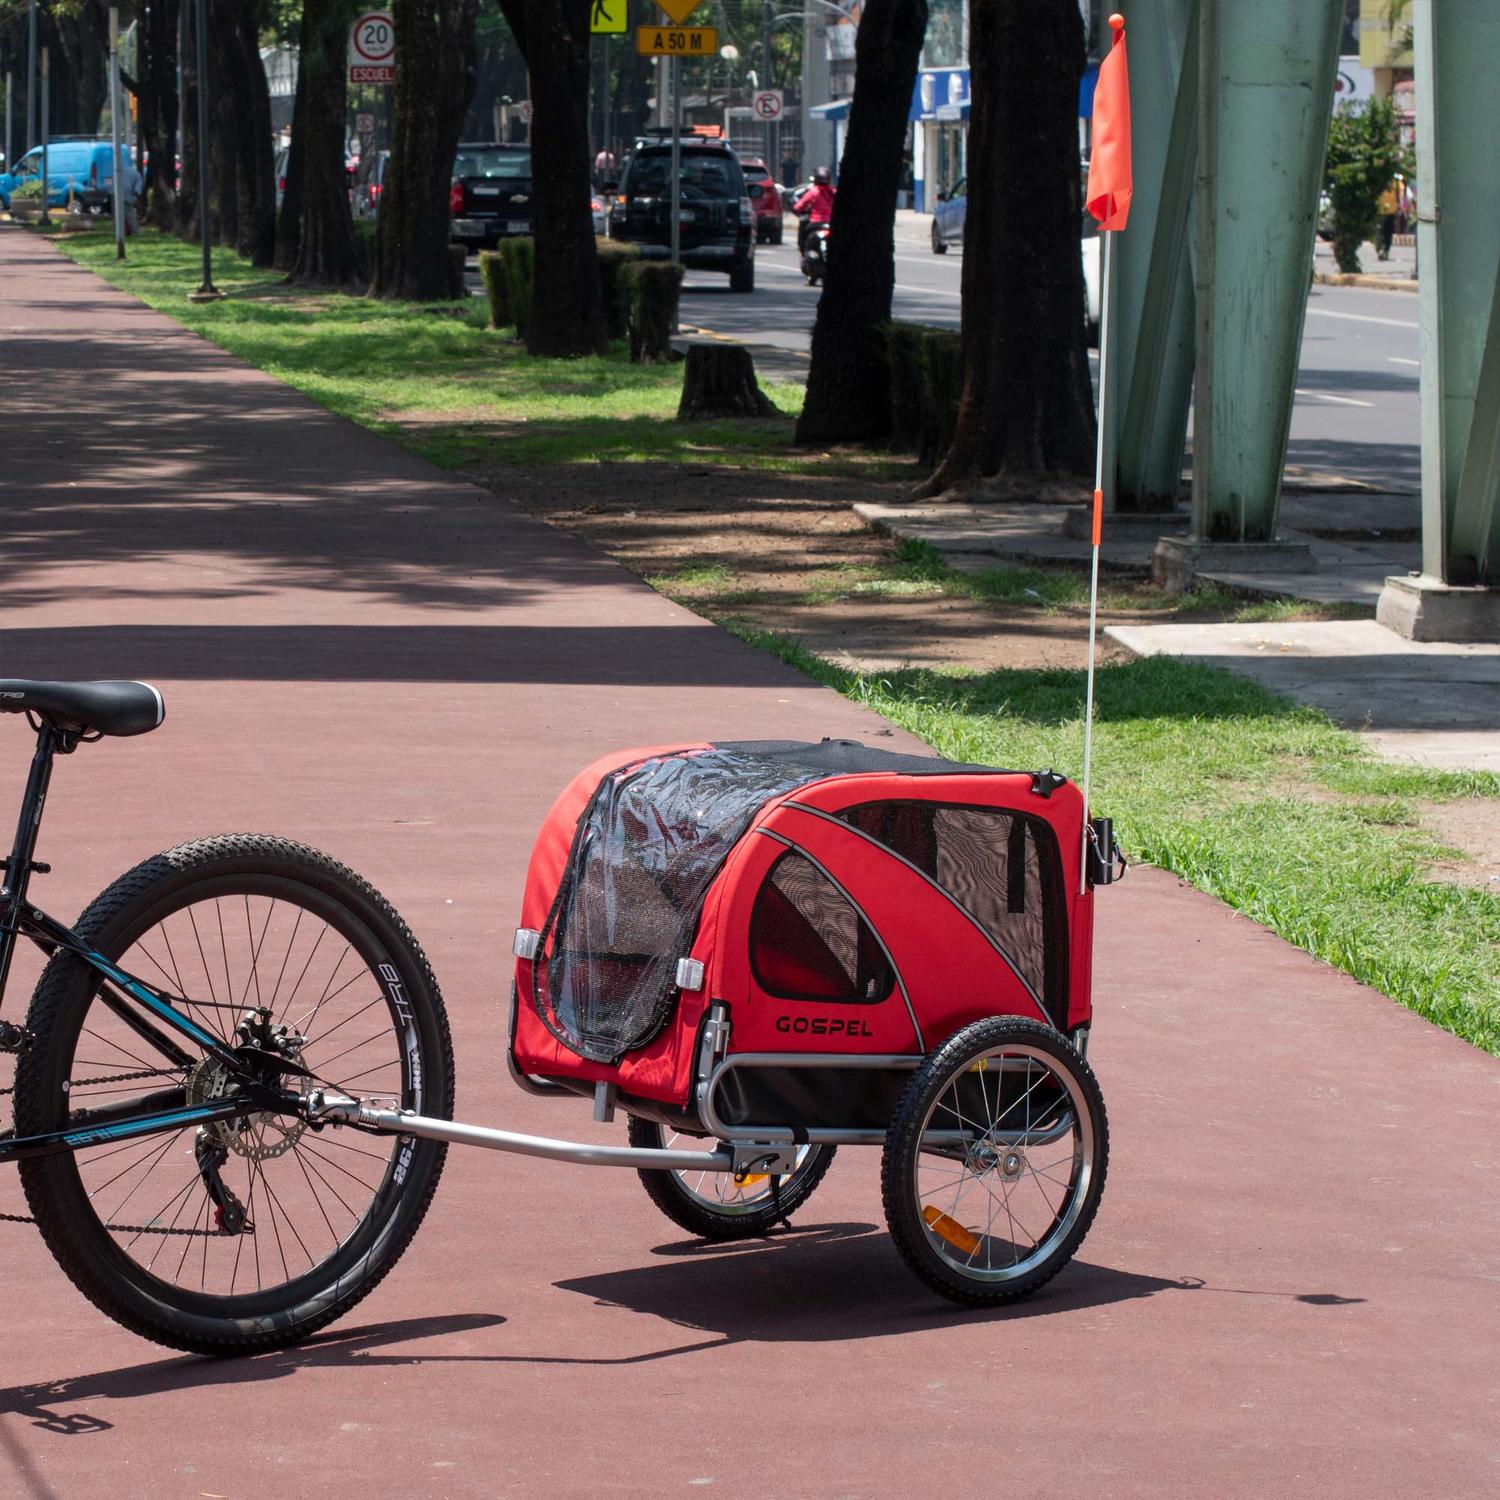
[(31, 75), (767, 81), (207, 291), (46, 184), (115, 133)]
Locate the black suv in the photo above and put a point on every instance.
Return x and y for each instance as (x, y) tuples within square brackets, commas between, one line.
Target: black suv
[(491, 194), (717, 223)]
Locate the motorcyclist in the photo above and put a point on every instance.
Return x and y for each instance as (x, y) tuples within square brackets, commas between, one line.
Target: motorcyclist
[(814, 204)]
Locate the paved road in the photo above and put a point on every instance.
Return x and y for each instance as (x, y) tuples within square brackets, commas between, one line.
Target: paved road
[(1290, 1288)]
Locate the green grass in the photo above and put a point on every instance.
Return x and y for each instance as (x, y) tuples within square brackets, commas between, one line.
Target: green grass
[(915, 570), (477, 395), (1262, 803)]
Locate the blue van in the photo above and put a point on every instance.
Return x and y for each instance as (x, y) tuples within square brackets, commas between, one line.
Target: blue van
[(82, 166)]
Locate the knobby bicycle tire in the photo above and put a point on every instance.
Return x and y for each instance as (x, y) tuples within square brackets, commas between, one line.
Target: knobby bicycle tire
[(126, 917)]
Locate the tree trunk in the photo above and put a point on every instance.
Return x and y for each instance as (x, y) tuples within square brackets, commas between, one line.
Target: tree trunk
[(80, 66), (187, 182), (1026, 407), (256, 156), (327, 252), (567, 308), (719, 381), (849, 380), (223, 123), (434, 79), (157, 102), (289, 215)]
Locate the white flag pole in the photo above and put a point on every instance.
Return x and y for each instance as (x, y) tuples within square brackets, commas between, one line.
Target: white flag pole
[(1106, 282)]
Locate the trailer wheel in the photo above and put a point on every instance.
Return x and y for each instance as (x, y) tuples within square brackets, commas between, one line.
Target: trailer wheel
[(713, 1205), (994, 1161)]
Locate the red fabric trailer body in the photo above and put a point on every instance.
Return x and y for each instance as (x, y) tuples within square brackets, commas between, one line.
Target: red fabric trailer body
[(839, 899)]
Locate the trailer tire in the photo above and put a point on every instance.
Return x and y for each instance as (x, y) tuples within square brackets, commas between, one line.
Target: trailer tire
[(692, 1205), (1012, 1172)]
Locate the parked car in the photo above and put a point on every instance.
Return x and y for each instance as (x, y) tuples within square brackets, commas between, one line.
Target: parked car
[(948, 217), (948, 229), (765, 199), (369, 186), (80, 167), (601, 215), (283, 156), (491, 194), (716, 219)]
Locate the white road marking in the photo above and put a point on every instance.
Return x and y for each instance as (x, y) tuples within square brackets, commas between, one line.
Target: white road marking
[(1396, 359), (1324, 312), (1337, 400)]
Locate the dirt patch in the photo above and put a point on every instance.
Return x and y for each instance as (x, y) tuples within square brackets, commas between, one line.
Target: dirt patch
[(787, 553), (1472, 826)]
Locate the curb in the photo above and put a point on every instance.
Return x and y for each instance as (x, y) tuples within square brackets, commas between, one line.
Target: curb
[(1364, 279)]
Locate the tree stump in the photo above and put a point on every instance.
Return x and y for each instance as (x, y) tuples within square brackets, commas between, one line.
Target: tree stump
[(719, 381)]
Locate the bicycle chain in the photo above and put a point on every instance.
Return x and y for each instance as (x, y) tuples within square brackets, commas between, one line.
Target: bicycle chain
[(120, 1228)]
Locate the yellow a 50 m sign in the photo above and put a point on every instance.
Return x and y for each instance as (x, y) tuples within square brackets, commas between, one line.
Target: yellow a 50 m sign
[(677, 41)]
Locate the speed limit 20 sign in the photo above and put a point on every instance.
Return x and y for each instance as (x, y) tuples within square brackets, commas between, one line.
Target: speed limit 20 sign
[(372, 48), (767, 104)]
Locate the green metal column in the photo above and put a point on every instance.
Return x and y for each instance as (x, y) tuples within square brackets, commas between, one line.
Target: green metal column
[(1153, 316), (1266, 75), (1457, 60)]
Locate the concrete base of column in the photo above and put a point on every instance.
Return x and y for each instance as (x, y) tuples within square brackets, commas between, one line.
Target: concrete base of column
[(1078, 523), (1425, 609), (1178, 561)]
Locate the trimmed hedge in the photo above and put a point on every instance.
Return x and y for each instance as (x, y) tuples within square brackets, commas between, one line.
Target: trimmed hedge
[(926, 378), (496, 291), (518, 257), (615, 261), (654, 289), (507, 274), (364, 243)]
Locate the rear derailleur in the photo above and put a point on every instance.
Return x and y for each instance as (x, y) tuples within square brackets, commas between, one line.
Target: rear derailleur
[(230, 1215)]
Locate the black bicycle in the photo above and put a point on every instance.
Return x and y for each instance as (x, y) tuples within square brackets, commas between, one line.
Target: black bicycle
[(171, 1073)]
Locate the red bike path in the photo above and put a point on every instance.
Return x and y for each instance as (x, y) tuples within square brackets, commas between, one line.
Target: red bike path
[(1292, 1287)]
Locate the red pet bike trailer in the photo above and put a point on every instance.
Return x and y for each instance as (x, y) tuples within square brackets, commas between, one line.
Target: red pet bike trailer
[(763, 951)]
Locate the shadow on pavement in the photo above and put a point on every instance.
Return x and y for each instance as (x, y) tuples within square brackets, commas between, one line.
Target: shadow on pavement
[(827, 1282), (39, 1404), (691, 654)]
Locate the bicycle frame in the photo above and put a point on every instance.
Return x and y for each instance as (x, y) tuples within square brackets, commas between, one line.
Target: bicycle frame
[(139, 1005)]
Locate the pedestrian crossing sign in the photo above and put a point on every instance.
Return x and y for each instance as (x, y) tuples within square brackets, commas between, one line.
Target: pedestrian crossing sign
[(608, 17)]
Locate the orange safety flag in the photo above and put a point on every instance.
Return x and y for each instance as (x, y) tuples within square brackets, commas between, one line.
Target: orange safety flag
[(1109, 163)]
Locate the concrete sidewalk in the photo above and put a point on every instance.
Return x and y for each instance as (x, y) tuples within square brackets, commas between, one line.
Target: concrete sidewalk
[(1290, 1288)]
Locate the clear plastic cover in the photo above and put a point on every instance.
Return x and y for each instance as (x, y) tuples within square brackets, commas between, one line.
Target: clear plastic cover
[(647, 849)]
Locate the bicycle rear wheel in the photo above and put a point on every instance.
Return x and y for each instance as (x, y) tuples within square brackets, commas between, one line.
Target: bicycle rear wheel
[(250, 1233)]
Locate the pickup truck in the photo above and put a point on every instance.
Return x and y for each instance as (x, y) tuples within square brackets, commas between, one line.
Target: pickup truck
[(491, 194)]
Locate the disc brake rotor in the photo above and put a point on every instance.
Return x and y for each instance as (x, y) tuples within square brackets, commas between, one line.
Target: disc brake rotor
[(258, 1136)]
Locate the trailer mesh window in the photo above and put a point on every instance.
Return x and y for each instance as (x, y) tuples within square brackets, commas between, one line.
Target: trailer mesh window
[(808, 943), (1002, 867)]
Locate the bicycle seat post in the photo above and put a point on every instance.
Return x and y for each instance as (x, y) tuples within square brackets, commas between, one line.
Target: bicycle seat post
[(18, 867)]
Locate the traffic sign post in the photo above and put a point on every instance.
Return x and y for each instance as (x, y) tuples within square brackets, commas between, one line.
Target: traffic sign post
[(609, 17), (372, 48)]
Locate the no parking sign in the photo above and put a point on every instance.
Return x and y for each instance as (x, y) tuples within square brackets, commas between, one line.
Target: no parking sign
[(767, 104)]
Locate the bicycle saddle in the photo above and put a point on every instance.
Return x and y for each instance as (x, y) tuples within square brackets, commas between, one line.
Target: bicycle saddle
[(86, 707)]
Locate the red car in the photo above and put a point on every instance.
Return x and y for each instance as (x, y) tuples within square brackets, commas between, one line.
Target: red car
[(765, 198)]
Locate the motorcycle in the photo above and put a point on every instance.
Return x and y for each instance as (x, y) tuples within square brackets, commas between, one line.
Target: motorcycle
[(814, 252)]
